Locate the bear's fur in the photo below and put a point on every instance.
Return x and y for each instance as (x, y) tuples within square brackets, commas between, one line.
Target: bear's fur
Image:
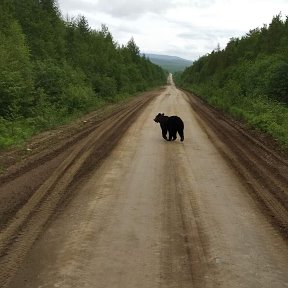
[(172, 124)]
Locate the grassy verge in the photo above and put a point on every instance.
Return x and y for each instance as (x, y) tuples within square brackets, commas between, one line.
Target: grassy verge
[(15, 133), (260, 113)]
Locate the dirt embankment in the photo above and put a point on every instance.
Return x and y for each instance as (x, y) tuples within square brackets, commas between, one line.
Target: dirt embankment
[(263, 169), (31, 190)]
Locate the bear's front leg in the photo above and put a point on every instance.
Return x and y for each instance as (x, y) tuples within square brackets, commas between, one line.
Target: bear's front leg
[(164, 132), (164, 136)]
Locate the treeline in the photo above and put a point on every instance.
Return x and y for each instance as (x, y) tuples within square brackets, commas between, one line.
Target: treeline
[(248, 79), (51, 68)]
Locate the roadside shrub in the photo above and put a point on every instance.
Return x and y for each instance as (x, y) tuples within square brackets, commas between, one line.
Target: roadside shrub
[(77, 97), (108, 87), (50, 78), (14, 132), (277, 87), (262, 121)]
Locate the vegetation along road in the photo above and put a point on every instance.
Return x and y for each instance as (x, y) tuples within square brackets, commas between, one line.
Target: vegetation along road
[(115, 205)]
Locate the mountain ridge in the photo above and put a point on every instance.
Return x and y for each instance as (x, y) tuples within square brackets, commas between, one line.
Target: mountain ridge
[(168, 62)]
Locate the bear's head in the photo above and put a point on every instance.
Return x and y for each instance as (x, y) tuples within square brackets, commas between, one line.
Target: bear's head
[(159, 117)]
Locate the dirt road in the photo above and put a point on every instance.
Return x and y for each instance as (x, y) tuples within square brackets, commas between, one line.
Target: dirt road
[(154, 213)]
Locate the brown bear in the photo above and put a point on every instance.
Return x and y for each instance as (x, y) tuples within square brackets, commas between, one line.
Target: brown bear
[(172, 124)]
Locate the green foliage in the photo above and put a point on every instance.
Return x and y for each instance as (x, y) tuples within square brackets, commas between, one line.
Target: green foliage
[(14, 132), (15, 70), (52, 70), (107, 87), (277, 83), (133, 49), (248, 79), (42, 26)]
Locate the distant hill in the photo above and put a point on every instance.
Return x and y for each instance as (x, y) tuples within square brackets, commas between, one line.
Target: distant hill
[(170, 63)]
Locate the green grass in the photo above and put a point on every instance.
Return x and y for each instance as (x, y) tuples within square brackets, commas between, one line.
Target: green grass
[(16, 133), (258, 112)]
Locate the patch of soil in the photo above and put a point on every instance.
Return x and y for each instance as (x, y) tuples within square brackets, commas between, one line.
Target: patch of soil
[(32, 189), (47, 142), (258, 160)]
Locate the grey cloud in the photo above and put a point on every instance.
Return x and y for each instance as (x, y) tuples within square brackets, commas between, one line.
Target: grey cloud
[(208, 33), (133, 9), (201, 40), (210, 36), (126, 29), (203, 35), (129, 9), (137, 8), (77, 5), (195, 3)]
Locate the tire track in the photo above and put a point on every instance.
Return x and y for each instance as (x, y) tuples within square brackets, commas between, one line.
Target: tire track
[(265, 172), (22, 230)]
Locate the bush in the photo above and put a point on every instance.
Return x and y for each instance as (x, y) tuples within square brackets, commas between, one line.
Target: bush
[(107, 87), (277, 87)]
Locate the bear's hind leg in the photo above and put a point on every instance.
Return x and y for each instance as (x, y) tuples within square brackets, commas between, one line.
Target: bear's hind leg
[(181, 133), (170, 135), (174, 136)]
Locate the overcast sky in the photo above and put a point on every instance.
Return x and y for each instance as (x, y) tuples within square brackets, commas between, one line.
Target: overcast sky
[(184, 28)]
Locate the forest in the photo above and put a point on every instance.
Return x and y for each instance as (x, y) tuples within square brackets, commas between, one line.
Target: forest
[(53, 69), (248, 79)]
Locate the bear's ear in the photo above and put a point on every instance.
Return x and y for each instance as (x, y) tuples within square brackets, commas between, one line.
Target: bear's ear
[(162, 114)]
